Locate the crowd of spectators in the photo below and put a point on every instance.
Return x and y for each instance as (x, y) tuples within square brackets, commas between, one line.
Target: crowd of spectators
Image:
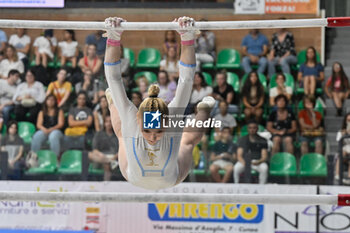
[(71, 112)]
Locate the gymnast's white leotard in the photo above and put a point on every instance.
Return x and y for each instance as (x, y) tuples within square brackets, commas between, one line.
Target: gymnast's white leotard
[(150, 166)]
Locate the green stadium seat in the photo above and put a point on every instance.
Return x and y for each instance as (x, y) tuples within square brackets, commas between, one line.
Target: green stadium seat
[(148, 58), (4, 129), (233, 80), (289, 81), (71, 162), (129, 54), (228, 59), (313, 165), (26, 131), (208, 78), (47, 161), (244, 130), (50, 64), (150, 76), (95, 171), (283, 164), (302, 57), (208, 66)]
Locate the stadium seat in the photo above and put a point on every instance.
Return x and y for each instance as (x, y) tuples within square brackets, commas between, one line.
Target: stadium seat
[(302, 57), (50, 64), (289, 81), (283, 164), (208, 78), (129, 54), (47, 161), (208, 66), (228, 59), (71, 162), (26, 131), (233, 80), (318, 106), (262, 79), (313, 165), (244, 130), (148, 58), (4, 129), (95, 171), (150, 76)]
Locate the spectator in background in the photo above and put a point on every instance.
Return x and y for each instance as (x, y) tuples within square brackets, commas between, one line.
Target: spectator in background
[(252, 149), (282, 52), (254, 49), (227, 120), (61, 89), (3, 42), (10, 62), (90, 86), (90, 61), (170, 42), (205, 47), (45, 48), (21, 41), (49, 125), (7, 91), (280, 89), (200, 90), (100, 113), (282, 125), (310, 122), (223, 91), (222, 156), (14, 146), (79, 121), (105, 148), (344, 131), (337, 87), (28, 98), (68, 48), (253, 97), (136, 98), (98, 40), (142, 84), (167, 87), (170, 64), (311, 73)]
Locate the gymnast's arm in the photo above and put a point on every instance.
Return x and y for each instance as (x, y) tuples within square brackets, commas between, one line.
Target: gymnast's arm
[(114, 79)]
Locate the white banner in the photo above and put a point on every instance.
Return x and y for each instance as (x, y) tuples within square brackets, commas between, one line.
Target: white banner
[(249, 6), (334, 218), (160, 217)]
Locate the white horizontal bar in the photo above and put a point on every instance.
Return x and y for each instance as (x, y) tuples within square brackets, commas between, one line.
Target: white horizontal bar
[(173, 197), (146, 26)]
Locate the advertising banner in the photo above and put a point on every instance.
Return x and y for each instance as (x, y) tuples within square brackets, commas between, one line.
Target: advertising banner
[(32, 3), (157, 217), (334, 218), (291, 7), (249, 6)]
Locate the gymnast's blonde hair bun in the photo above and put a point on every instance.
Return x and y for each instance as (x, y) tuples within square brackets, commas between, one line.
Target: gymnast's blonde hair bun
[(153, 91)]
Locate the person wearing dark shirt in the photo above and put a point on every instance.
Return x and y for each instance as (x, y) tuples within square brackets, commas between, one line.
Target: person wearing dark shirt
[(13, 144), (223, 92), (49, 124), (282, 52), (105, 148), (282, 125), (99, 41), (222, 156), (252, 149)]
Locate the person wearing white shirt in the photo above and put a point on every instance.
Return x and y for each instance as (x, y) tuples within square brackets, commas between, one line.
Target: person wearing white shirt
[(170, 64), (10, 62), (280, 89), (45, 47), (21, 42), (200, 88), (28, 98), (68, 49), (7, 91)]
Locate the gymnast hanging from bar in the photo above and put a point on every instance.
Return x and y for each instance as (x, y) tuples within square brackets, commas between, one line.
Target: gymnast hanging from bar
[(153, 158)]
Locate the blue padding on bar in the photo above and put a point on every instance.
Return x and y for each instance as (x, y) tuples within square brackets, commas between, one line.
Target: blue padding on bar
[(187, 65), (112, 63)]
